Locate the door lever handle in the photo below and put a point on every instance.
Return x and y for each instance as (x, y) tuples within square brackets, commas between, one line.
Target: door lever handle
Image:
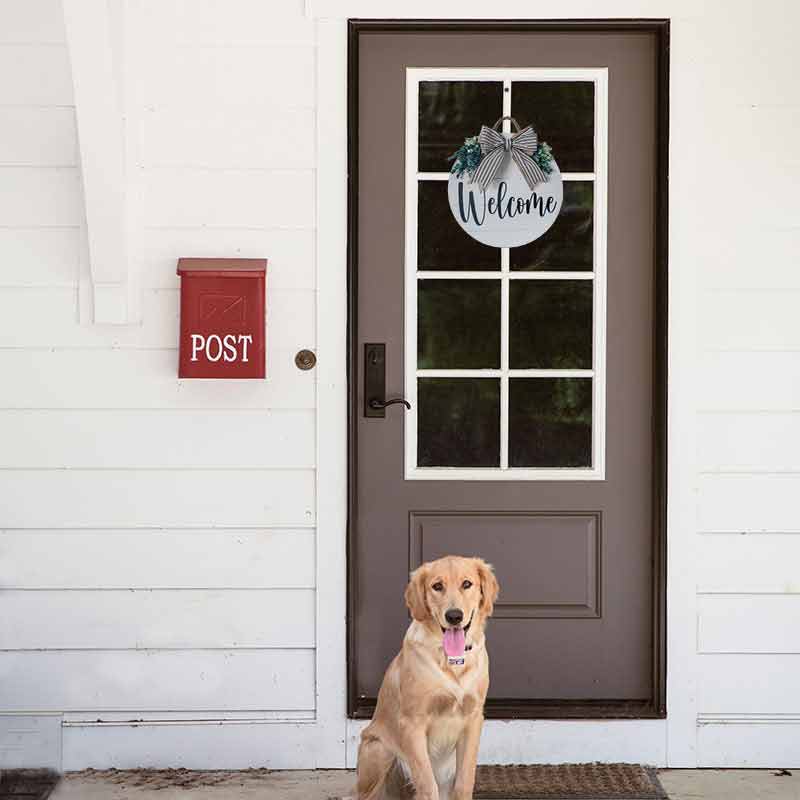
[(378, 404), (375, 402)]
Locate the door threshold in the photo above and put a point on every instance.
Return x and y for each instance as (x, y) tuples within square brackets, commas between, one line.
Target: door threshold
[(511, 708)]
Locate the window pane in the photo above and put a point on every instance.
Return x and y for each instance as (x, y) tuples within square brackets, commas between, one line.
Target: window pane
[(568, 244), (550, 422), (562, 113), (459, 422), (441, 243), (458, 324), (550, 324), (449, 111)]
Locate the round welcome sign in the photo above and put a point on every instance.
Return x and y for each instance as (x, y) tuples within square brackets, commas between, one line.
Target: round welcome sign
[(507, 213), (505, 190)]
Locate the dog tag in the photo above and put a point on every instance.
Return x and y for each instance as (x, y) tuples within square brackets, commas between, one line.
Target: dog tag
[(459, 662)]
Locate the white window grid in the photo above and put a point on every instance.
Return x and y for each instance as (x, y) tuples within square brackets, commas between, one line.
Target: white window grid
[(507, 75)]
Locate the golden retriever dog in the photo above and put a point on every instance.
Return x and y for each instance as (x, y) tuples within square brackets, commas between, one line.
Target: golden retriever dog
[(423, 738)]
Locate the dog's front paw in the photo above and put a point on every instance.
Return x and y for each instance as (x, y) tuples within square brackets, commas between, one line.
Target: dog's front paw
[(426, 793)]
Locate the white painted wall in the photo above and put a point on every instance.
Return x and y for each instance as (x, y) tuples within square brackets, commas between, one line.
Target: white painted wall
[(150, 527), (157, 537)]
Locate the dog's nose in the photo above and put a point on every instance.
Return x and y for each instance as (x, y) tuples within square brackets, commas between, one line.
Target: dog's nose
[(454, 615)]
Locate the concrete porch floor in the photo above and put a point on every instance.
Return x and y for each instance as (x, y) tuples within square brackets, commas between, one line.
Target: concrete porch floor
[(327, 784)]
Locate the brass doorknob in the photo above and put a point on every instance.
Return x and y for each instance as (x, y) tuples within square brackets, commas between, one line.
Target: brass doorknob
[(305, 359)]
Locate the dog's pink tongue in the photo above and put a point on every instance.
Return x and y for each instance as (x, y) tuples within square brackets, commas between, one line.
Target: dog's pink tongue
[(454, 642)]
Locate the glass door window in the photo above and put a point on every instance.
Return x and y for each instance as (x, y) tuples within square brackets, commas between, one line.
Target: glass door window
[(505, 347)]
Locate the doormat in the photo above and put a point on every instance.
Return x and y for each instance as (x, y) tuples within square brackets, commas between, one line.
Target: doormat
[(158, 779), (27, 784), (568, 782)]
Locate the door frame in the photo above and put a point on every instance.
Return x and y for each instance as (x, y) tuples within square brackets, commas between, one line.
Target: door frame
[(655, 706)]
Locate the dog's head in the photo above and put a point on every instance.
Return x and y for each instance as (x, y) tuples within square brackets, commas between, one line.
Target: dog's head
[(455, 594)]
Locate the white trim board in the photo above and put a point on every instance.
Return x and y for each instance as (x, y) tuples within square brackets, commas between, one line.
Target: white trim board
[(221, 743), (677, 747), (558, 741), (331, 385), (509, 9), (104, 157)]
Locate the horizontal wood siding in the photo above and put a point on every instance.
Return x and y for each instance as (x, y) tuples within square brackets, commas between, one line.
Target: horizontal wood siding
[(249, 22), (759, 742), (748, 683), (187, 559), (158, 680), (142, 379), (290, 253), (157, 439), (749, 502), (27, 21), (124, 498), (735, 387), (764, 563), (155, 618), (39, 137), (748, 623), (39, 257), (48, 317), (157, 536), (209, 745), (230, 79), (755, 443), (157, 541), (176, 138), (34, 74), (749, 381), (49, 197), (185, 197)]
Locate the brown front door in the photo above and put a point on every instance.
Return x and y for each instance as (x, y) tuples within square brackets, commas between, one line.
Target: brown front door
[(532, 370)]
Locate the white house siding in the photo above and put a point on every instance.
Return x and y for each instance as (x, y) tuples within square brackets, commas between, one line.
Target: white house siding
[(734, 390), (744, 246), (150, 529), (157, 537)]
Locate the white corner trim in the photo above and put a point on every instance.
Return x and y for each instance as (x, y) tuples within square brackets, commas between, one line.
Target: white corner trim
[(331, 271), (673, 741), (510, 9), (100, 122)]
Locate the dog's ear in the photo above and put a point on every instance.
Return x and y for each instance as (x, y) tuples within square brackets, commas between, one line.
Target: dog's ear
[(489, 586), (415, 594)]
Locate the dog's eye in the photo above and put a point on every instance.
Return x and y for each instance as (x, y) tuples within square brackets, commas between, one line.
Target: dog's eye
[(466, 584), (438, 586)]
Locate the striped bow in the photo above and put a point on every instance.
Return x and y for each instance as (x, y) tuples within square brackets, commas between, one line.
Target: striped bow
[(495, 146)]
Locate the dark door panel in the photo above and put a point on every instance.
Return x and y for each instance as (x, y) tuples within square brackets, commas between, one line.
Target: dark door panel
[(578, 625)]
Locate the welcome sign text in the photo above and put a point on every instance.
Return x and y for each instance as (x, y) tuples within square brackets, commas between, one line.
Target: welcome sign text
[(501, 204)]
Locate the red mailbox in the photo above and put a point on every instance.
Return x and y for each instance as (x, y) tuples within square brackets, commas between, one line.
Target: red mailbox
[(222, 318)]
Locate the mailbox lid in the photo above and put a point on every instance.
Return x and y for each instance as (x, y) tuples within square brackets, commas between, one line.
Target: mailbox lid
[(222, 267)]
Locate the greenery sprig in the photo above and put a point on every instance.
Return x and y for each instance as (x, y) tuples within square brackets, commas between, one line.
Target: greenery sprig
[(543, 156), (467, 157)]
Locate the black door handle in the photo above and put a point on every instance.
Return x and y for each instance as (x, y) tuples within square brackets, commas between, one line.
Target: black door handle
[(377, 404)]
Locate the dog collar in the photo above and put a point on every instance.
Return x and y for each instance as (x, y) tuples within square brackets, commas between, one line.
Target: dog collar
[(458, 661)]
